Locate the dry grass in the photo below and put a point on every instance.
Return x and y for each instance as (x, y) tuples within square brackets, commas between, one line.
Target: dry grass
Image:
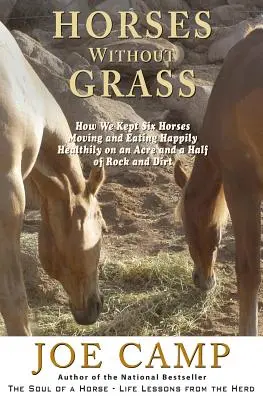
[(153, 296)]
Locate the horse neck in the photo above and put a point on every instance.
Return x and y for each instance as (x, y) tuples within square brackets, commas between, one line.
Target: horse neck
[(52, 170), (204, 195)]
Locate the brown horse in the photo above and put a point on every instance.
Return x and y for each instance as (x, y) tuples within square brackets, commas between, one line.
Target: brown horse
[(32, 125), (233, 170)]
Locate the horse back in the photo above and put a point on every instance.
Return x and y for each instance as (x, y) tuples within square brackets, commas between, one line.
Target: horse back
[(233, 124), (30, 117)]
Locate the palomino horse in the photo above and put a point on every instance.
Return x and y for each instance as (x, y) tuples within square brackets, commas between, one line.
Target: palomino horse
[(233, 170), (32, 125)]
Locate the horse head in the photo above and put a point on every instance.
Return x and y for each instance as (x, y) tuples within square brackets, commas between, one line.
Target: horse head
[(70, 244), (202, 225)]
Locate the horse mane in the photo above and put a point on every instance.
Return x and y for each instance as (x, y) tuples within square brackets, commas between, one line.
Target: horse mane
[(220, 212), (216, 215)]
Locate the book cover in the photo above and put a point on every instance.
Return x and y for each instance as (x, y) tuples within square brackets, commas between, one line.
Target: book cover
[(130, 176)]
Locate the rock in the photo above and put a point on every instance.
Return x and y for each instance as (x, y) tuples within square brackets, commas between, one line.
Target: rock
[(95, 3), (77, 62), (195, 58), (98, 26), (206, 4), (80, 44), (27, 9), (74, 5), (153, 4), (42, 36), (33, 49), (247, 3), (227, 37), (166, 5), (35, 8), (113, 6), (143, 46), (27, 12), (191, 110), (178, 5), (6, 9), (229, 15), (139, 6), (206, 74), (197, 44)]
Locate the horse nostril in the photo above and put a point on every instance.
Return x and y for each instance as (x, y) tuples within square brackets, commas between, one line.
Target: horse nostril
[(204, 284), (196, 279), (99, 304)]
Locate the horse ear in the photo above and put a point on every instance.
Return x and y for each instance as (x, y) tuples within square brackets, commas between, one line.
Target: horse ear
[(95, 180), (180, 175)]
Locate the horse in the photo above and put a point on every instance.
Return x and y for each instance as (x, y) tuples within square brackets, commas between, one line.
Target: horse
[(32, 126), (230, 178)]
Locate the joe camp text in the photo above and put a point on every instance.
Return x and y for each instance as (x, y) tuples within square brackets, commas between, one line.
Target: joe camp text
[(132, 355)]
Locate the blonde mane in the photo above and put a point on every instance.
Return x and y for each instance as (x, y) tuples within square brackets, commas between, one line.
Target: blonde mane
[(218, 214)]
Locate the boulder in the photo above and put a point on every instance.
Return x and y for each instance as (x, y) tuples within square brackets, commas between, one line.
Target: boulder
[(195, 58), (113, 6), (33, 49), (229, 15), (143, 46), (98, 26), (77, 62), (179, 5), (139, 6), (166, 5), (6, 9), (205, 4), (163, 5), (197, 44), (153, 4), (29, 8), (43, 36), (206, 74), (191, 110), (227, 37), (32, 9), (27, 12), (247, 3), (85, 40)]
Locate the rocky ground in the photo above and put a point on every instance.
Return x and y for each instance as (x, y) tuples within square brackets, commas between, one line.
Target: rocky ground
[(138, 204)]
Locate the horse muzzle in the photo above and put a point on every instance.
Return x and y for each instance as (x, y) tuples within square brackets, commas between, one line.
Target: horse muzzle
[(90, 314), (203, 283)]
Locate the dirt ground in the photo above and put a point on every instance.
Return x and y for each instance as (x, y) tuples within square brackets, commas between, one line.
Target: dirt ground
[(138, 206), (139, 209)]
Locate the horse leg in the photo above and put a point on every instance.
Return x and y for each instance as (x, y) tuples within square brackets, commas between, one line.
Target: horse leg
[(244, 207), (13, 299)]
